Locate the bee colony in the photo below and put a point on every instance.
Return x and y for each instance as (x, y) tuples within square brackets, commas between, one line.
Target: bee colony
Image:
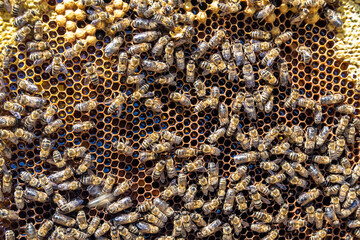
[(148, 119)]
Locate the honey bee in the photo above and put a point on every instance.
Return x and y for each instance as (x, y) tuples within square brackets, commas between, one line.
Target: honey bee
[(35, 195), (209, 229), (170, 168), (157, 172), (241, 202), (178, 227), (37, 46), (58, 159), (22, 33), (322, 136), (218, 61), (169, 53), (213, 173), (91, 74), (147, 156), (56, 66), (284, 37), (9, 135), (227, 232), (162, 147), (14, 108), (297, 20), (195, 166), (180, 59), (31, 101), (217, 38), (226, 50), (259, 103), (71, 206), (166, 79), (261, 35), (53, 126), (164, 207), (150, 218), (299, 182), (102, 230), (296, 224), (345, 109), (203, 46), (229, 201), (93, 225), (242, 185), (127, 218), (138, 23), (86, 106), (231, 70), (291, 101), (46, 184), (171, 137), (120, 205), (71, 185), (331, 217), (260, 227), (194, 204), (310, 139), (154, 66), (9, 215), (122, 64), (88, 3), (249, 106), (31, 231), (45, 148), (248, 75), (321, 159), (198, 219), (246, 157), (45, 228), (134, 63), (249, 53), (180, 98), (146, 37), (116, 103), (19, 197), (335, 168), (265, 12), (122, 188), (276, 194), (40, 56), (29, 179), (350, 132), (272, 166), (155, 104), (305, 53), (243, 139), (147, 228), (270, 57), (159, 45), (22, 20), (27, 85), (83, 126), (62, 175), (204, 185), (182, 182), (266, 95), (282, 215), (153, 137), (123, 147), (268, 77), (98, 16), (208, 67), (333, 17), (331, 99), (222, 188), (75, 50), (188, 225), (167, 22), (199, 88)]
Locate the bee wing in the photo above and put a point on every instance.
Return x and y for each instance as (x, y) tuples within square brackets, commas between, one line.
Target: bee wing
[(7, 5), (15, 114), (63, 68), (162, 178), (265, 200), (95, 21), (245, 224), (38, 61), (149, 171), (108, 101), (119, 110), (48, 68), (282, 186), (149, 95)]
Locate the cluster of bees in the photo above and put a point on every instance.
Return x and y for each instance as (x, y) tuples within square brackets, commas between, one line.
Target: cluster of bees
[(164, 33)]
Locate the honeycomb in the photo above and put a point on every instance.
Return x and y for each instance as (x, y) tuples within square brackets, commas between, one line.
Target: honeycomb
[(323, 75)]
